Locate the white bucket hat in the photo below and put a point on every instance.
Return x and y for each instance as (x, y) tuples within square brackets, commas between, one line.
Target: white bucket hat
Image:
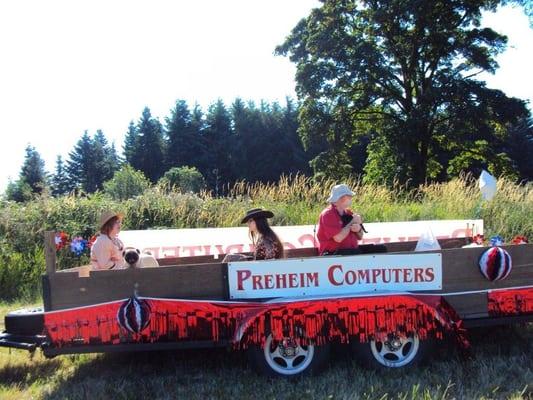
[(338, 191)]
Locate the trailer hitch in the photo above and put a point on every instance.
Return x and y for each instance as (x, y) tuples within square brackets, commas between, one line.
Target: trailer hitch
[(21, 342)]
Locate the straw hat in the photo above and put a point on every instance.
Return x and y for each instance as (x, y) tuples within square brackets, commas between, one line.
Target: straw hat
[(107, 215), (338, 191)]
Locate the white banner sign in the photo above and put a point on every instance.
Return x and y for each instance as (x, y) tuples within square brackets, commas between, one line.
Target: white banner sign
[(334, 275), (217, 241)]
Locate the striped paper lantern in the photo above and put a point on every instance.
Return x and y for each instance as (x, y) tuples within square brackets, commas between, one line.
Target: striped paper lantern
[(495, 264), (134, 315)]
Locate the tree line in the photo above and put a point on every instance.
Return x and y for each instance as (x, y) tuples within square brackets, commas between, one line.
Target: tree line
[(244, 141)]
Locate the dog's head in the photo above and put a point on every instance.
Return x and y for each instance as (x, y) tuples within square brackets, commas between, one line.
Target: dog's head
[(131, 255)]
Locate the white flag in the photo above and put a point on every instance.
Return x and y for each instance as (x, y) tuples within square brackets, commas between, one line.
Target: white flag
[(487, 185)]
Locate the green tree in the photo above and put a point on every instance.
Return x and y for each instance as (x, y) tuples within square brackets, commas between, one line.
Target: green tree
[(130, 142), (249, 144), (32, 171), (219, 143), (19, 191), (105, 158), (148, 154), (382, 163), (519, 146), (126, 183), (266, 142), (185, 179), (405, 69), (184, 143), (91, 162), (80, 165), (60, 181), (297, 159)]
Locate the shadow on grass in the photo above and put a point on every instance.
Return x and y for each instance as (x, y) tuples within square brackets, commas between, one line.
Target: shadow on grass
[(28, 372)]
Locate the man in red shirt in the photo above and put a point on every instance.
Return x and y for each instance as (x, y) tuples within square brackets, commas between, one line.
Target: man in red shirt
[(338, 227)]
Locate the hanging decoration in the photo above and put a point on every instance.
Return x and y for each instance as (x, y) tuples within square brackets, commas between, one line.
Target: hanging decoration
[(242, 324), (495, 264)]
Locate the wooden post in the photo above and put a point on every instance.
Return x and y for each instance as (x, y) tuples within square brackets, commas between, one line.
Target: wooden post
[(50, 252)]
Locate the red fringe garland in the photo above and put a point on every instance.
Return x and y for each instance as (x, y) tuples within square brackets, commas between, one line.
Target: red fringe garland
[(510, 302), (243, 324)]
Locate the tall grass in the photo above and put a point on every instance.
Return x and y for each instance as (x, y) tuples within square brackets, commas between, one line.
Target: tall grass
[(295, 200)]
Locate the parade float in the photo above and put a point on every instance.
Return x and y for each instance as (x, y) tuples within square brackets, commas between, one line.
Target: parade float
[(410, 286), (390, 305)]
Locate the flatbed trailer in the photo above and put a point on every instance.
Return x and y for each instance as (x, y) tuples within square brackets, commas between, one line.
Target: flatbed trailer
[(389, 307)]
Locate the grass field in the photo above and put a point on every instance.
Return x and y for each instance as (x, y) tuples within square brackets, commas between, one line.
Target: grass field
[(501, 366)]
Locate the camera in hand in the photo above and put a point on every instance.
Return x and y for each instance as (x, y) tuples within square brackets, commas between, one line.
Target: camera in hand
[(347, 218)]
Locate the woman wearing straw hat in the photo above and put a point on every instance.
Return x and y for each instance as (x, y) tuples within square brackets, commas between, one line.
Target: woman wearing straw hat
[(339, 230), (106, 251)]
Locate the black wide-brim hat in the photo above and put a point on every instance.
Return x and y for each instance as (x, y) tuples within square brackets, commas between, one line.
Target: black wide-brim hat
[(256, 213)]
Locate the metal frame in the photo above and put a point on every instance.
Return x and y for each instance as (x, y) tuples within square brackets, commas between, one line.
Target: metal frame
[(132, 347)]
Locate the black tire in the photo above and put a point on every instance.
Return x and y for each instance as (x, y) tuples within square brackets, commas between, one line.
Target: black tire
[(395, 353), (312, 362), (27, 322)]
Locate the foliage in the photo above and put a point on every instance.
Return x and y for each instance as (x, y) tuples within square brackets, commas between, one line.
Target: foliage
[(184, 179), (32, 171), (60, 181), (147, 151), (91, 163), (405, 72), (126, 183), (18, 191)]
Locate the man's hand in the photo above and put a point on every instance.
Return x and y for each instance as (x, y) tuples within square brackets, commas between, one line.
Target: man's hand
[(357, 219), (354, 227)]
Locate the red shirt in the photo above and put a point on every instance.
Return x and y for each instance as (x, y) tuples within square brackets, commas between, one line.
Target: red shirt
[(329, 224)]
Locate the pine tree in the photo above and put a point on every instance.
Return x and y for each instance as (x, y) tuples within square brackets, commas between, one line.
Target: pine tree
[(130, 142), (32, 171), (201, 157), (148, 153), (114, 159), (183, 139), (247, 124), (105, 159), (299, 159), (60, 181), (80, 166), (220, 144)]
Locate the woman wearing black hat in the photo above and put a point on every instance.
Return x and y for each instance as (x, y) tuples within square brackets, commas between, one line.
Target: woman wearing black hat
[(266, 242)]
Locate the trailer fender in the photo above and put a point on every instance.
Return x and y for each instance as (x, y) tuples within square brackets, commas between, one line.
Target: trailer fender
[(362, 318)]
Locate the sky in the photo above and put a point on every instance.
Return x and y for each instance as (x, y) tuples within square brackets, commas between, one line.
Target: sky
[(70, 66)]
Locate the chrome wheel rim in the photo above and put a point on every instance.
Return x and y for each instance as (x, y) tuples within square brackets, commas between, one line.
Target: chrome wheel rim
[(287, 357), (396, 351)]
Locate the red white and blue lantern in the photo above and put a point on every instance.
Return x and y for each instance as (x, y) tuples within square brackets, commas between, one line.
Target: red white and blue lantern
[(134, 315), (495, 264)]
